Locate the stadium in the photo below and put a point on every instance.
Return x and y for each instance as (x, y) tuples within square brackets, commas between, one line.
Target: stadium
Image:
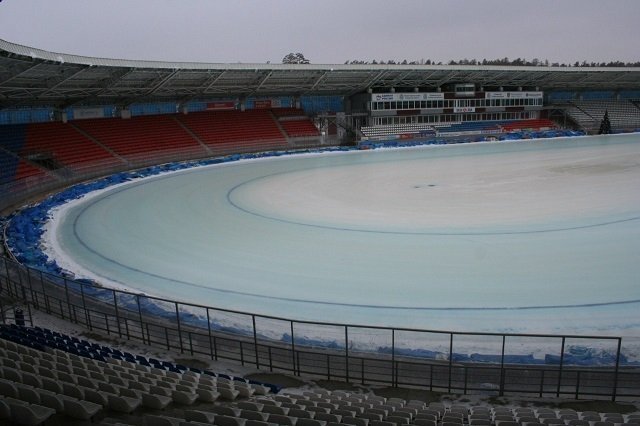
[(72, 127)]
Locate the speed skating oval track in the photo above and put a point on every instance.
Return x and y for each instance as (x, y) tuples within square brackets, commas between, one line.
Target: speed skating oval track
[(529, 236)]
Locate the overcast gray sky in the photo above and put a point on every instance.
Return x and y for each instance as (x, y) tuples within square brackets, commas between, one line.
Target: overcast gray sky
[(328, 31)]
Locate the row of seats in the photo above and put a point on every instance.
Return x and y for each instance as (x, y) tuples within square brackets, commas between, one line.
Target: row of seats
[(323, 408), (623, 114), (64, 143), (35, 385), (41, 338), (384, 130), (299, 128), (111, 142), (471, 126), (535, 124), (140, 136), (289, 112), (216, 127), (502, 126)]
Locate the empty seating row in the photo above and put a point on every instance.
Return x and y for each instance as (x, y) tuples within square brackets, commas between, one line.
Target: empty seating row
[(299, 128), (79, 387), (216, 127), (141, 136), (377, 131), (533, 124), (76, 349), (80, 145), (623, 114), (65, 145), (40, 338), (23, 413), (309, 409), (470, 127), (288, 112)]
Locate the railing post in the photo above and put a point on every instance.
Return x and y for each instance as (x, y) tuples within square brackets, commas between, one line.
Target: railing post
[(255, 341), (450, 360), (346, 353), (44, 294), (466, 372), (501, 392), (430, 377), (293, 349), (126, 328), (617, 371), (30, 285), (84, 306), (394, 379), (179, 328), (6, 268), (561, 367), (66, 295), (211, 350), (115, 305), (18, 283), (144, 340)]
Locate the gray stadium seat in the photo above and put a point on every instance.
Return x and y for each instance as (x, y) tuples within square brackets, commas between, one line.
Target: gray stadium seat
[(424, 422), (30, 414), (199, 416), (281, 419), (229, 421), (123, 404), (310, 422), (78, 409), (253, 415)]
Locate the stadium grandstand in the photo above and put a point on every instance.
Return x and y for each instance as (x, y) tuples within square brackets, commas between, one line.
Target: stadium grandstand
[(66, 119)]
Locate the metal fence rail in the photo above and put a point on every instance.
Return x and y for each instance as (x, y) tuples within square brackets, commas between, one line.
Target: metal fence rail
[(280, 344)]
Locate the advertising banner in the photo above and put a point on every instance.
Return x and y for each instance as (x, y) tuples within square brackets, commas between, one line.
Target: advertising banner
[(513, 95), (411, 96), (221, 105)]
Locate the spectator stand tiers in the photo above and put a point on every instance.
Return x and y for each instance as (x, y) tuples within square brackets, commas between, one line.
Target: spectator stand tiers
[(295, 123), (36, 153), (623, 114)]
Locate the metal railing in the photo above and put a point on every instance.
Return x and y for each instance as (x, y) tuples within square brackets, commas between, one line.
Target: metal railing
[(429, 359)]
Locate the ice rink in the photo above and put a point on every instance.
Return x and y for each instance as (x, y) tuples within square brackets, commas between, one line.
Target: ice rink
[(529, 236)]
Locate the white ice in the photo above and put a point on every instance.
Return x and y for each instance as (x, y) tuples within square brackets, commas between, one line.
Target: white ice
[(532, 236)]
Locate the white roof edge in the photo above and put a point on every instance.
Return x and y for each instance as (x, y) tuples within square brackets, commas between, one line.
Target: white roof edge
[(128, 63)]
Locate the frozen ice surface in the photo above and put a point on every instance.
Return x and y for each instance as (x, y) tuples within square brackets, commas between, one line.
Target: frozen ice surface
[(530, 236)]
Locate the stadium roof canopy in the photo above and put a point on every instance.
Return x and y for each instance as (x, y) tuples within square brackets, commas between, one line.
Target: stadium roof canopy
[(34, 77)]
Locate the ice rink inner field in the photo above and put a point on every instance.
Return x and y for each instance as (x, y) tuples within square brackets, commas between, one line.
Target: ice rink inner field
[(529, 236)]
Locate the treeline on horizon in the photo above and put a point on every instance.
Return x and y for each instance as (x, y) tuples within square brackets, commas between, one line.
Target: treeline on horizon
[(518, 62)]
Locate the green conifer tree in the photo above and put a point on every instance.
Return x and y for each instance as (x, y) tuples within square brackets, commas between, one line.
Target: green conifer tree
[(605, 124)]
